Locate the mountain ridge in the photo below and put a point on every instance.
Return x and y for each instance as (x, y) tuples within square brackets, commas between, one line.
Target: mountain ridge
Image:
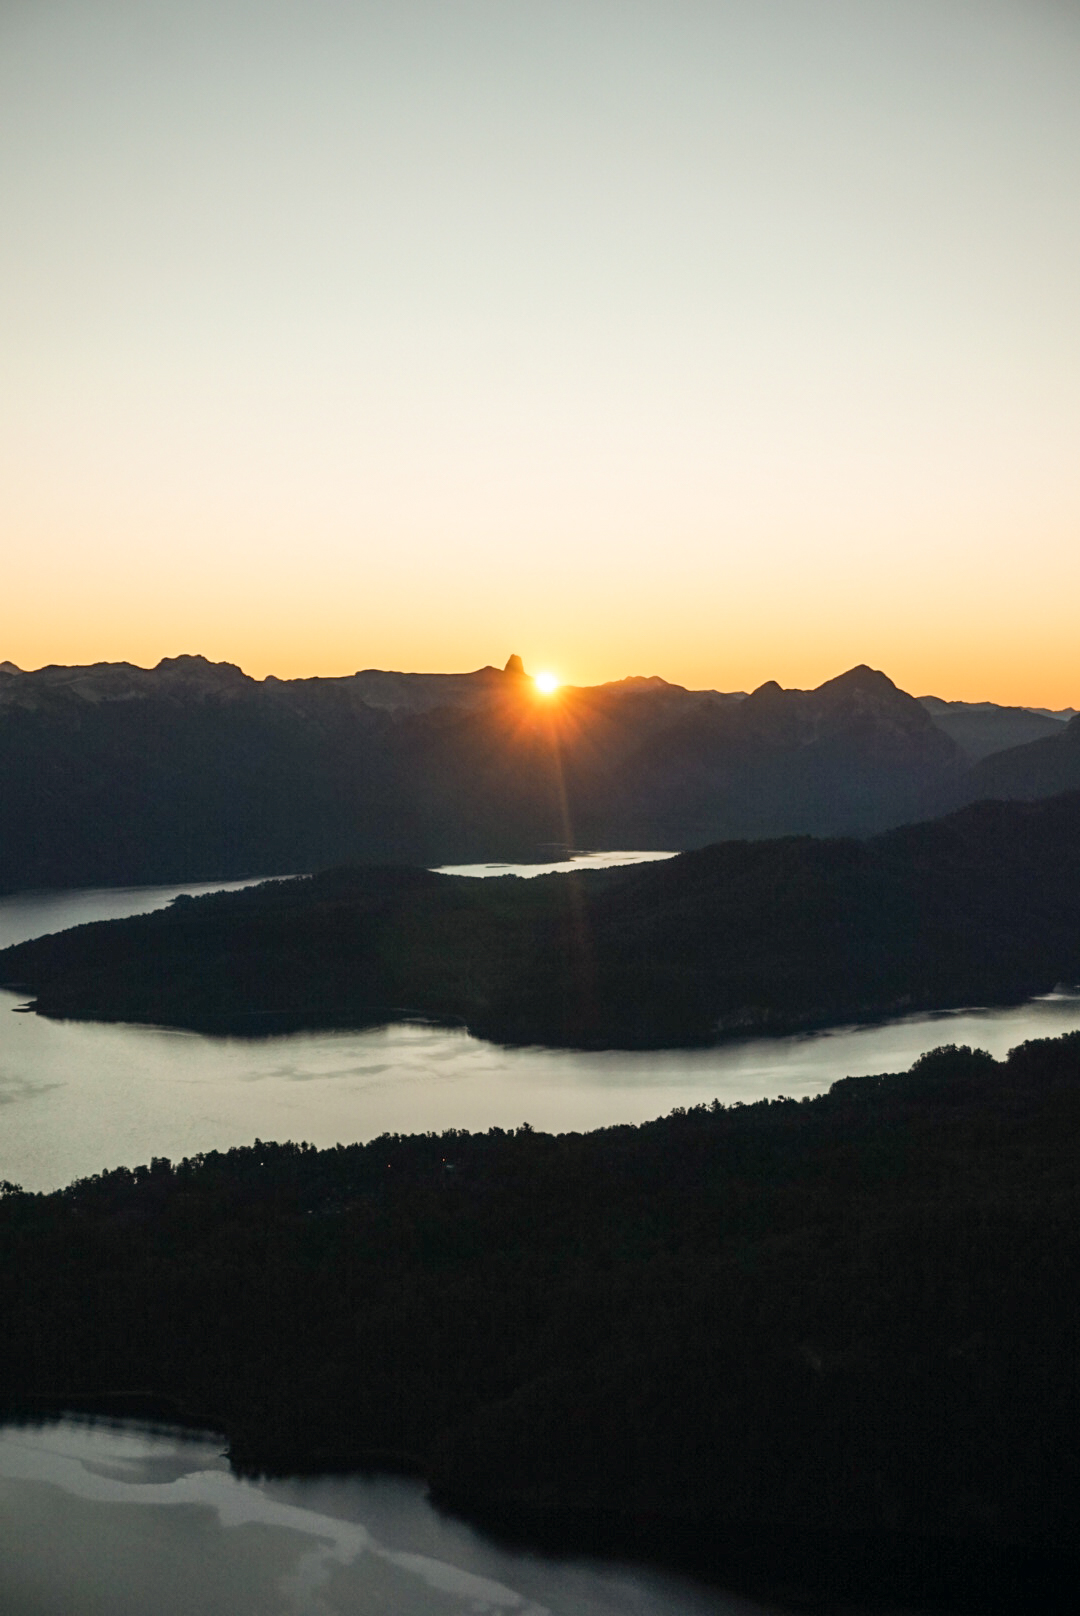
[(111, 774)]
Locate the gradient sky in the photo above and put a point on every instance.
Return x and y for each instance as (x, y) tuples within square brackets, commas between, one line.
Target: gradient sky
[(722, 339)]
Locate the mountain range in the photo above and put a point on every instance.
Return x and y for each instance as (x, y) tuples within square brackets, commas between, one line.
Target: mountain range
[(114, 774)]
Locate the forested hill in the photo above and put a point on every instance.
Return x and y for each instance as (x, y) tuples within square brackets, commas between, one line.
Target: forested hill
[(982, 907), (827, 1349)]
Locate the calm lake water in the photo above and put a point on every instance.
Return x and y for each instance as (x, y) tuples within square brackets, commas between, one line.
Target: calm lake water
[(122, 1520), (76, 1097)]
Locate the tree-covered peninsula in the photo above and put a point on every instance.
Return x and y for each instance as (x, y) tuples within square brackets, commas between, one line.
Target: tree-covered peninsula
[(982, 907)]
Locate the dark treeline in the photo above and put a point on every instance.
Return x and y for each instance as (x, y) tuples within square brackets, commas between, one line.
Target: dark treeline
[(825, 1348), (982, 907)]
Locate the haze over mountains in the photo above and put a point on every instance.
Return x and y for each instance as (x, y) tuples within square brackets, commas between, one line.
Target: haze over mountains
[(115, 774), (982, 727)]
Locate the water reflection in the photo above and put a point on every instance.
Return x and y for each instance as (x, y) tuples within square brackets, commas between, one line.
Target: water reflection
[(36, 914), (126, 1518), (76, 1097), (570, 861)]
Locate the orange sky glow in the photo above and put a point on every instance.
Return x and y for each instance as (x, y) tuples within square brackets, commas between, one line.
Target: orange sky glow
[(739, 343)]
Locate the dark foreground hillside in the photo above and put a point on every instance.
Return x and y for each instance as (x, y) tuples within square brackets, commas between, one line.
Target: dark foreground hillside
[(826, 1349), (980, 908)]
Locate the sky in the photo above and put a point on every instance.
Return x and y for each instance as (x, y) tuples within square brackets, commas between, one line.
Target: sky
[(721, 339)]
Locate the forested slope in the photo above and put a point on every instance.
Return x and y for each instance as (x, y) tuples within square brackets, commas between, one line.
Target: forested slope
[(828, 1346), (982, 907)]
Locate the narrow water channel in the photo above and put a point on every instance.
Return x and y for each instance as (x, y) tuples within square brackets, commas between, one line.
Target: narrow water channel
[(77, 1097)]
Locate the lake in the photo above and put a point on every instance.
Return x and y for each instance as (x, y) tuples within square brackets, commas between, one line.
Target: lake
[(122, 1519), (76, 1097)]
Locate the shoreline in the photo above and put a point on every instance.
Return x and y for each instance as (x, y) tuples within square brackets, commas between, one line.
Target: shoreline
[(257, 1024), (794, 1567)]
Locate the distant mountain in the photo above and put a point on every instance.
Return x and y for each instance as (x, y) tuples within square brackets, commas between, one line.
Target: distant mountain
[(1064, 713), (427, 692), (982, 907), (1041, 769), (980, 728), (851, 757), (114, 774)]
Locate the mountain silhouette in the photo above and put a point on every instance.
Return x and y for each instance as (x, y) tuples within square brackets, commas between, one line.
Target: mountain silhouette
[(115, 774), (851, 757), (983, 727)]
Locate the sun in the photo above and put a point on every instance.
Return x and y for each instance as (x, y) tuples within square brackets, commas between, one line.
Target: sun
[(546, 683)]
